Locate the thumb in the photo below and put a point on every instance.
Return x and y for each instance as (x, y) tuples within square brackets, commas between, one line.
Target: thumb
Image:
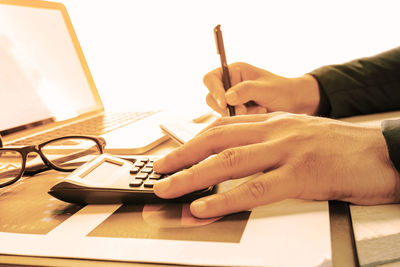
[(244, 92)]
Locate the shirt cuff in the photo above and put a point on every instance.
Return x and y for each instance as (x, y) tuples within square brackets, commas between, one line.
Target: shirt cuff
[(391, 132), (324, 107)]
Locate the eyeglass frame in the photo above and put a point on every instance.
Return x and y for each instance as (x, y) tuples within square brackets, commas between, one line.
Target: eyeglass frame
[(25, 150)]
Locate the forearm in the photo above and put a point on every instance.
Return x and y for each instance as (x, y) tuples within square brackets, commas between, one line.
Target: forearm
[(362, 86)]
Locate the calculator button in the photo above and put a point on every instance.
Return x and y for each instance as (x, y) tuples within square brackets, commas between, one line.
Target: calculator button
[(130, 159), (136, 183), (142, 175), (155, 176), (134, 170), (147, 170), (149, 183), (144, 160), (139, 164), (149, 164)]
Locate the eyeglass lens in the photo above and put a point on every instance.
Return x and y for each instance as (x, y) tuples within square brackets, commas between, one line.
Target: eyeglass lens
[(10, 165), (66, 154), (71, 153)]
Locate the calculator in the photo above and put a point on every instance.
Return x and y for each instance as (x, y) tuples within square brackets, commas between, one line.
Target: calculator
[(108, 179)]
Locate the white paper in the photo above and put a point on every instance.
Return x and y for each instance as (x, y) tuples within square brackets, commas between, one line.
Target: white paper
[(182, 130), (287, 233)]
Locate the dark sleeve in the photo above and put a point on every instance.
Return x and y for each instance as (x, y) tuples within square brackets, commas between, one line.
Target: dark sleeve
[(391, 132), (363, 86)]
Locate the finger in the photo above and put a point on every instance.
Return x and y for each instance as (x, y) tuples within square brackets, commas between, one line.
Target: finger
[(264, 189), (214, 105), (229, 164), (235, 73), (246, 118), (213, 81), (256, 110), (244, 71), (240, 110), (206, 144), (244, 92)]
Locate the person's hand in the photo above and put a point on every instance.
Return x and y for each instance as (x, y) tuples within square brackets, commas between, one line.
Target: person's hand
[(256, 91), (299, 156)]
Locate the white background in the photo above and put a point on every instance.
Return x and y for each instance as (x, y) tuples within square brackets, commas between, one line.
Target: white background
[(151, 53)]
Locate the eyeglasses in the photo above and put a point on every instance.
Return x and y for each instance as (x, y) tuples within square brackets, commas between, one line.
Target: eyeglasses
[(63, 154)]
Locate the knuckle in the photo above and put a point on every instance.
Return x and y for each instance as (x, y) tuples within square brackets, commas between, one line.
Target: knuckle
[(257, 189), (206, 78), (220, 121), (278, 113), (230, 158), (193, 174), (295, 140), (239, 64), (211, 102), (215, 132), (209, 98), (209, 76), (248, 84), (179, 155), (283, 119), (227, 200)]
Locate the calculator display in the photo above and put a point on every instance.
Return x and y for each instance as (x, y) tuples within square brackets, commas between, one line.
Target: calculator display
[(101, 171)]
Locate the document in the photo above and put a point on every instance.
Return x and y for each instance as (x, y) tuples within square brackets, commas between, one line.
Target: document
[(182, 130), (287, 233)]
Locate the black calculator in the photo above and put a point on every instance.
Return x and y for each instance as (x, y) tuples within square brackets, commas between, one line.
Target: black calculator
[(108, 179)]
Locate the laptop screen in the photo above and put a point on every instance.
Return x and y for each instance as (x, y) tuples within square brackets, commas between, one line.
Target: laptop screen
[(43, 75)]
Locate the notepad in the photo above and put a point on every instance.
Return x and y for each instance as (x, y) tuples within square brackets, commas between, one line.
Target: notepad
[(183, 131)]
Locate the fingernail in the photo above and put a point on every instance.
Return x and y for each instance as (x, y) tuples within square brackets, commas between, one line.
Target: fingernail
[(231, 97), (220, 104), (156, 165), (199, 206)]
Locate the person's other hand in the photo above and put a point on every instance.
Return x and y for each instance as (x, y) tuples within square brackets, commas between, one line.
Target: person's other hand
[(299, 156), (256, 91)]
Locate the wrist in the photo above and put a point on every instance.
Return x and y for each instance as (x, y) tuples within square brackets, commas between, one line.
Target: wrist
[(308, 94)]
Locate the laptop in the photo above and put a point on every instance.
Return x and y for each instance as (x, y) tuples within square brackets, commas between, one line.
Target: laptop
[(46, 89)]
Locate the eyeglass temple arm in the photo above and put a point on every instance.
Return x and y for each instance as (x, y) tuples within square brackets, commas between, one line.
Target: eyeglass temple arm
[(31, 170)]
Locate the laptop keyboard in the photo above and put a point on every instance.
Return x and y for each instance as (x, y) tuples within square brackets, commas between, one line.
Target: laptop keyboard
[(98, 125)]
